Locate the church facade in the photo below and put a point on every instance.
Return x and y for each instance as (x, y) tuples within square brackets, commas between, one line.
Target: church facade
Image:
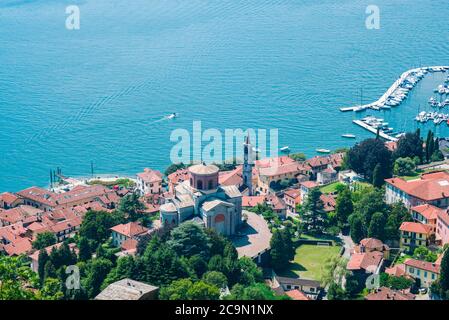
[(219, 207)]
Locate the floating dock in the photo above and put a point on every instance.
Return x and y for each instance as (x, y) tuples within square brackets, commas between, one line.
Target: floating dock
[(381, 102), (374, 130)]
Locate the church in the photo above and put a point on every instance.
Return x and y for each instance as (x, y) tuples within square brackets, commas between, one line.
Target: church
[(219, 207)]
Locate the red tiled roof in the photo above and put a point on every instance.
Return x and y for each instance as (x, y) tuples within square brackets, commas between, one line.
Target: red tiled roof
[(231, 178), (252, 201), (179, 176), (444, 217), (396, 271), (130, 229), (368, 261), (129, 244), (297, 295), (415, 227), (427, 211), (329, 202), (385, 293), (431, 186), (423, 265), (391, 145), (66, 224), (150, 175), (8, 197), (309, 184), (19, 214), (293, 193), (18, 246), (281, 168)]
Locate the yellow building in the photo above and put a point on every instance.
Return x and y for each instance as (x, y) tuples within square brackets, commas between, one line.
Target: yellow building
[(414, 234)]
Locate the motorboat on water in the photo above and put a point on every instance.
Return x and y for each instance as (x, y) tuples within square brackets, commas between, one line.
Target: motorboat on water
[(172, 115), (323, 150), (285, 149), (348, 135)]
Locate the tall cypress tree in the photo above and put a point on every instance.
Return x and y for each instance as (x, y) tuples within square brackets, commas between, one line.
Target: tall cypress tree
[(444, 273)]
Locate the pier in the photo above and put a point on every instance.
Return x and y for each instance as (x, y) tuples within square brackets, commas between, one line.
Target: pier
[(377, 105), (374, 130)]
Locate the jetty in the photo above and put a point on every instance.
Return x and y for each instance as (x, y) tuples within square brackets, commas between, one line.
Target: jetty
[(395, 87), (374, 130)]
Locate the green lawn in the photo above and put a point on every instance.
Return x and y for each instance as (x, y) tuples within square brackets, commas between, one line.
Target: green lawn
[(330, 188), (309, 261)]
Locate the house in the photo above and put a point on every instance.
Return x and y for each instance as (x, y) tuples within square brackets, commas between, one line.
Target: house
[(442, 228), (398, 270), (13, 240), (384, 293), (66, 228), (372, 245), (149, 182), (327, 176), (274, 202), (274, 170), (34, 257), (292, 197), (9, 200), (128, 289), (321, 163), (80, 195), (25, 214), (177, 177), (329, 202), (364, 263), (130, 230), (310, 288), (425, 272), (414, 234), (426, 214), (430, 188), (305, 187)]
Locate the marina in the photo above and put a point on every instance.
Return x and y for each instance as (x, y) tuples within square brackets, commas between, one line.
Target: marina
[(398, 92), (377, 126)]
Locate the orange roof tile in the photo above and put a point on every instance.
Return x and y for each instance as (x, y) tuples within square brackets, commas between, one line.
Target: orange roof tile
[(130, 229), (431, 186), (427, 211), (150, 175), (423, 265), (415, 227), (297, 295)]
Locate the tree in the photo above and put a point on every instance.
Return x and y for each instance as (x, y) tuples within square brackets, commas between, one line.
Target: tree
[(363, 158), (185, 289), (377, 226), (397, 216), (250, 272), (378, 176), (96, 226), (444, 274), (313, 215), (282, 250), (395, 283), (422, 253), (344, 206), (215, 278), (357, 231), (174, 167), (404, 167), (197, 265), (336, 292), (160, 264), (429, 146), (43, 240), (84, 251), (410, 145), (42, 261), (216, 264), (126, 268), (17, 280), (369, 203), (298, 156), (189, 239), (97, 271), (51, 290), (258, 291), (132, 207)]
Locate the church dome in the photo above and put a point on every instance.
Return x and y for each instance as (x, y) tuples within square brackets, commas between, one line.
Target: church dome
[(204, 177), (203, 169)]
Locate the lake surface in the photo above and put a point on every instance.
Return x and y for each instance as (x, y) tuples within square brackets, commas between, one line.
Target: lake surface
[(97, 94)]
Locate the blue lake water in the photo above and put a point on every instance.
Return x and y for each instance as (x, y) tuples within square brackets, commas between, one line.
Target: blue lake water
[(71, 97)]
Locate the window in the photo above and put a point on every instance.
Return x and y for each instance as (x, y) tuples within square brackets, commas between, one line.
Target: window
[(199, 184), (210, 184), (425, 274), (412, 270)]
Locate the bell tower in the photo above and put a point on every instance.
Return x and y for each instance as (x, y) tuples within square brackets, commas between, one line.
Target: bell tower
[(248, 165)]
